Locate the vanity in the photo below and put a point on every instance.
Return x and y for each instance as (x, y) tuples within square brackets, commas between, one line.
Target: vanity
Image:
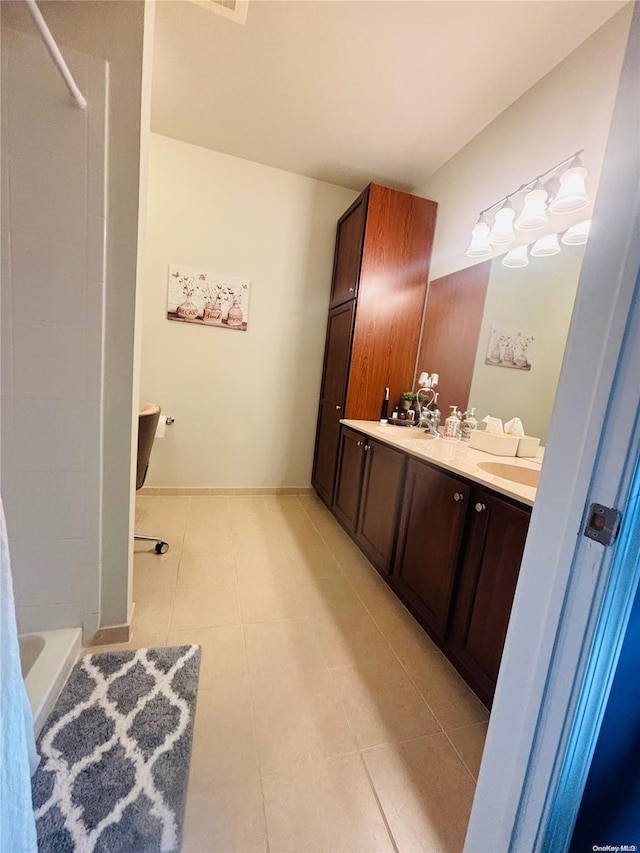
[(444, 529), (443, 523)]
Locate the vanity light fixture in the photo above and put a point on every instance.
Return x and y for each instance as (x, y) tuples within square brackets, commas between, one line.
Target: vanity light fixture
[(564, 195), (502, 231), (480, 246), (547, 245), (577, 235), (517, 257), (572, 194), (534, 212)]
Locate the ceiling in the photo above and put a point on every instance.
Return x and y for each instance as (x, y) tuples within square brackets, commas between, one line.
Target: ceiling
[(355, 90)]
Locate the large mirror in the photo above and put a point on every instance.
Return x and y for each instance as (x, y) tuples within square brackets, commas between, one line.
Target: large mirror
[(496, 336)]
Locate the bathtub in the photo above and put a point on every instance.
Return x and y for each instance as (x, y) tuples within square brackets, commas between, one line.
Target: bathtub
[(47, 658)]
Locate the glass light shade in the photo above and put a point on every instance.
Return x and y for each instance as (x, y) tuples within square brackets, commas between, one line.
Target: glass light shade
[(547, 245), (572, 194), (479, 246), (502, 231), (517, 257), (577, 235), (534, 212)]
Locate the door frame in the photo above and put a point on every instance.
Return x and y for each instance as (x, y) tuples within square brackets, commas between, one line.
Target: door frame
[(569, 585)]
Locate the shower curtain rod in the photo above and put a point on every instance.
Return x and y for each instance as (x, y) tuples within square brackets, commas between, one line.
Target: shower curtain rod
[(54, 52)]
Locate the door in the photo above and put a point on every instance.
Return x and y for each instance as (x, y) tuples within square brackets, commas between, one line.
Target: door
[(349, 239), (433, 514), (349, 477), (495, 539), (379, 503), (332, 397)]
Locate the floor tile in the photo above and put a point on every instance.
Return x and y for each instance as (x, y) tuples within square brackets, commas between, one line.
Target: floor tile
[(298, 720), (223, 739), (328, 806), (469, 744), (288, 646), (348, 640), (425, 792), (153, 610), (229, 819), (194, 607), (154, 571), (382, 705), (205, 570), (269, 596), (201, 539), (223, 662), (452, 702)]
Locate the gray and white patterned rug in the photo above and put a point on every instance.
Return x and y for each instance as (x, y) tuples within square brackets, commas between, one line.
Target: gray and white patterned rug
[(114, 754)]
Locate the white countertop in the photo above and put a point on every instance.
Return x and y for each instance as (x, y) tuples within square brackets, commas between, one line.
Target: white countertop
[(454, 456)]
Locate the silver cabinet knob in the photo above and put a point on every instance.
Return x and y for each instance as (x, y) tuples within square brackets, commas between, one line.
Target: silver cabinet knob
[(359, 443), (458, 496), (338, 408), (480, 507), (351, 289), (366, 447)]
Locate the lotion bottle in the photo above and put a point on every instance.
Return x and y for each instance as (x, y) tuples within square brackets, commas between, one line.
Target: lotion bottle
[(452, 424)]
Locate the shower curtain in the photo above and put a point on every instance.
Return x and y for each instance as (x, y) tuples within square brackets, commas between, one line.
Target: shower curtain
[(18, 757)]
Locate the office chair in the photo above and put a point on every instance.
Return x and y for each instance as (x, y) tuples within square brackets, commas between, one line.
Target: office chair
[(147, 425)]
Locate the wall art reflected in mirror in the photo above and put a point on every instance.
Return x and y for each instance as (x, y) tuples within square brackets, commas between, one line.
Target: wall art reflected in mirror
[(488, 317)]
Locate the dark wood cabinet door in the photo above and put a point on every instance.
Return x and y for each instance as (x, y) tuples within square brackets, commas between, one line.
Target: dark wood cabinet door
[(434, 507), (496, 536), (379, 503), (349, 477), (348, 255), (332, 397), (336, 355)]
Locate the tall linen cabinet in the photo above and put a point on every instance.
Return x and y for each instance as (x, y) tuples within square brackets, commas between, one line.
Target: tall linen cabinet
[(380, 273)]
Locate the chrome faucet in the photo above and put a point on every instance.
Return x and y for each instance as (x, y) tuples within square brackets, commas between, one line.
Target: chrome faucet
[(429, 412), (430, 419)]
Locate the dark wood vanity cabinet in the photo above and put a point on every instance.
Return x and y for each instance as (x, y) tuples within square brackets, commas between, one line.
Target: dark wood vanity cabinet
[(332, 398), (348, 252), (349, 478), (450, 549), (494, 543), (381, 491), (434, 509), (367, 495), (381, 267)]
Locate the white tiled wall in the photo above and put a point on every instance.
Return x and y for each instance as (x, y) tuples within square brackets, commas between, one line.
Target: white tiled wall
[(53, 278)]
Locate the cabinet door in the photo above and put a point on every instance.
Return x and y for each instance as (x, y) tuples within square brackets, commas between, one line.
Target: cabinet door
[(332, 397), (379, 503), (496, 536), (349, 239), (433, 514), (349, 477)]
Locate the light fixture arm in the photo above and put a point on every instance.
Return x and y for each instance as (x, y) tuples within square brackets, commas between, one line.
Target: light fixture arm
[(531, 183)]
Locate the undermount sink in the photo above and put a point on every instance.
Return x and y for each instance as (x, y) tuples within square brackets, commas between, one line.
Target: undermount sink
[(515, 473)]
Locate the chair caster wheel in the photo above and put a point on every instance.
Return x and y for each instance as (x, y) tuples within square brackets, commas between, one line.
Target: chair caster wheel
[(162, 547)]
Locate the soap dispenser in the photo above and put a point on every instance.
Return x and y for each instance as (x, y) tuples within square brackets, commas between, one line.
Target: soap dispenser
[(469, 423), (452, 424)]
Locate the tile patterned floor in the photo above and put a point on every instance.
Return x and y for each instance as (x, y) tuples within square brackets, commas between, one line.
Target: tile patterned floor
[(326, 718)]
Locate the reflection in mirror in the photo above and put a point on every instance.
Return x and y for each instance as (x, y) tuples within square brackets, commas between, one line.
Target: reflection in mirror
[(496, 335)]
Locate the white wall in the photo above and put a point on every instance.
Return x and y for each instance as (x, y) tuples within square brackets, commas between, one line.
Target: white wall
[(567, 110), (53, 248), (245, 403)]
